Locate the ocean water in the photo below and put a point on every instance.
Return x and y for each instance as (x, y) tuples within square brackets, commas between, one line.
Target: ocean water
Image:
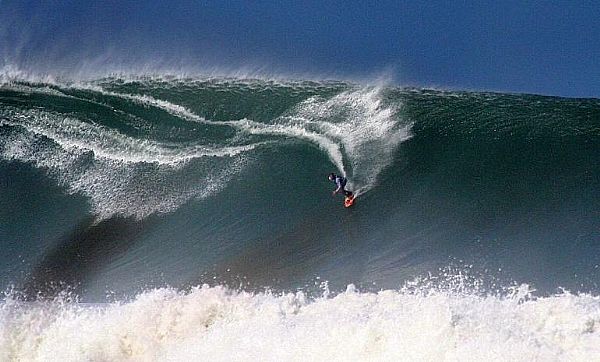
[(171, 218)]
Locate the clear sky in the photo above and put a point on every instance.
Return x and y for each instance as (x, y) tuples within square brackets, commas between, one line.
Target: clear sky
[(547, 47)]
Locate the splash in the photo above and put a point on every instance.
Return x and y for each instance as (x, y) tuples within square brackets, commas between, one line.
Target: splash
[(366, 131), (355, 130), (119, 174), (216, 323), (358, 133)]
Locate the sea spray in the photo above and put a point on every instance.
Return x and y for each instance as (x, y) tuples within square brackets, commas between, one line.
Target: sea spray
[(217, 323)]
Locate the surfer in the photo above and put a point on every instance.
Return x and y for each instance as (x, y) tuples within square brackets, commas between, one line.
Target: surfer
[(340, 182)]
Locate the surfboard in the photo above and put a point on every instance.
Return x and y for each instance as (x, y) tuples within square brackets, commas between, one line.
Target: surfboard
[(349, 201)]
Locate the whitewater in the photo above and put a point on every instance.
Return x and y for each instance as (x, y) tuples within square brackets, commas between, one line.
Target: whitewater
[(180, 218), (215, 323)]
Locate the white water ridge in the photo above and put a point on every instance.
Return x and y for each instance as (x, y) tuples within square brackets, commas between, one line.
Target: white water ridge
[(218, 324), (353, 128), (109, 168)]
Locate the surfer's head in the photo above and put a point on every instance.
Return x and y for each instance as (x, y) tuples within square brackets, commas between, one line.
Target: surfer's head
[(331, 176)]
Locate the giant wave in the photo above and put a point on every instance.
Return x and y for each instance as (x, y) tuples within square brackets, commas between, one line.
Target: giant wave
[(122, 195)]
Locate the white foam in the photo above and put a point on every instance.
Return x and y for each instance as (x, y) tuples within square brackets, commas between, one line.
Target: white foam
[(299, 131), (147, 100), (105, 143), (218, 324), (352, 128), (118, 174), (357, 133), (369, 132)]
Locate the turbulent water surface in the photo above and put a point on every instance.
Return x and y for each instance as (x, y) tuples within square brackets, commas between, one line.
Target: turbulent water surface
[(193, 218)]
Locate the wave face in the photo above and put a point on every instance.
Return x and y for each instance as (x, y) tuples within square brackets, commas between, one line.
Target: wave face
[(127, 146), (117, 186)]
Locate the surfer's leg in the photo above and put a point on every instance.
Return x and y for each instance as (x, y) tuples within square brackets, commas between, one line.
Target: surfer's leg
[(348, 193)]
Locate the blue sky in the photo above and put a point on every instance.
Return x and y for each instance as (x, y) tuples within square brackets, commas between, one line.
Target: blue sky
[(535, 47)]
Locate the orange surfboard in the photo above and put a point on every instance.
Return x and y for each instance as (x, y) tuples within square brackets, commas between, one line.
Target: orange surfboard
[(349, 201)]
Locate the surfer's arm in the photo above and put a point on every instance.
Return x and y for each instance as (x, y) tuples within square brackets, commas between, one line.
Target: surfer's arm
[(337, 190)]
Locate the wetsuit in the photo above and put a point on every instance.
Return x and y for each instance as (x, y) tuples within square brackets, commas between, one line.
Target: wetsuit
[(340, 183)]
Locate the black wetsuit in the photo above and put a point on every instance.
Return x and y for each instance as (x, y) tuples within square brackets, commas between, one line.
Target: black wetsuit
[(340, 182)]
